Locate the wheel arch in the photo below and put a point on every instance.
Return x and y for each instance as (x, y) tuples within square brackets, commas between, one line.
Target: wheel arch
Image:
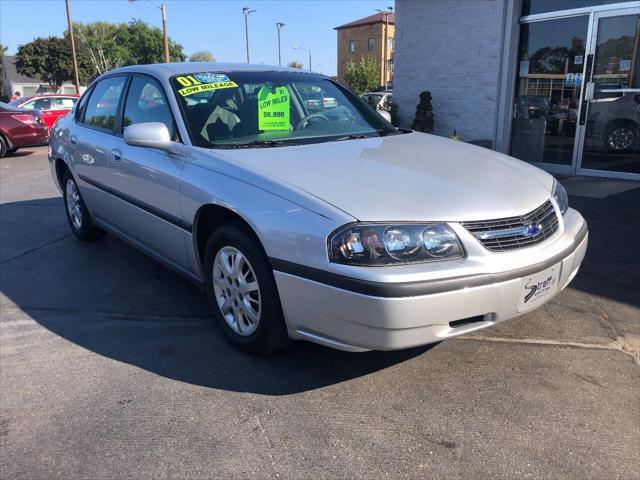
[(208, 218), (61, 167)]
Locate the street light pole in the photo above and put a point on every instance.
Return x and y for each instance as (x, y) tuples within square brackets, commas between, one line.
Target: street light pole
[(73, 47), (165, 37), (308, 51), (279, 25), (246, 11)]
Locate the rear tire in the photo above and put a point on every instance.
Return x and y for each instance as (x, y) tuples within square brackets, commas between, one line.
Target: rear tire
[(242, 292), (78, 215), (3, 146)]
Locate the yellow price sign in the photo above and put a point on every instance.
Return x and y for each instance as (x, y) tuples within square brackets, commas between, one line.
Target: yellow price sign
[(202, 82)]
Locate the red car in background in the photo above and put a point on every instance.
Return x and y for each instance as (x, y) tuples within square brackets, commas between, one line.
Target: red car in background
[(52, 105), (20, 128)]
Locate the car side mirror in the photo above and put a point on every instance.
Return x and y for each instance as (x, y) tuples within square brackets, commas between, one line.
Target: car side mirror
[(386, 115), (150, 135)]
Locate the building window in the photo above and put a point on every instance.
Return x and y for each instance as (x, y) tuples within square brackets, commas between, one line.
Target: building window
[(390, 44), (532, 7), (352, 46), (370, 45)]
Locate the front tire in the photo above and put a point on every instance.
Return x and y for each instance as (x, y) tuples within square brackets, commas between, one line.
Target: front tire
[(242, 292), (3, 146), (78, 215)]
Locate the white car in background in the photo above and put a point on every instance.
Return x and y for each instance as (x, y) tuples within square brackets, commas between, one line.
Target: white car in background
[(377, 99)]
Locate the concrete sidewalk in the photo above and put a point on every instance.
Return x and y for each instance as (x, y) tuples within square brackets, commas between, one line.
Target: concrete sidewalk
[(108, 369)]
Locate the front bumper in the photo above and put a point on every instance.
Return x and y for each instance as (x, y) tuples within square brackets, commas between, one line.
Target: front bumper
[(404, 315)]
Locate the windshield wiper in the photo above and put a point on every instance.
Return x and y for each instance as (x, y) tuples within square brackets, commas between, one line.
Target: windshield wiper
[(255, 144), (353, 136)]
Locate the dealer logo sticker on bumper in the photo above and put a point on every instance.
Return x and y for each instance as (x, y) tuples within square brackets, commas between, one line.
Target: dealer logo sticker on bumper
[(538, 288)]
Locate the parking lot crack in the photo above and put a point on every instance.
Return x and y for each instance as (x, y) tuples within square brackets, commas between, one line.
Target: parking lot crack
[(616, 345), (31, 250)]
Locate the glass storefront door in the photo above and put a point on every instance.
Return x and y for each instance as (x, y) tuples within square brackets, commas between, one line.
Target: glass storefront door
[(550, 69), (577, 100), (610, 118)]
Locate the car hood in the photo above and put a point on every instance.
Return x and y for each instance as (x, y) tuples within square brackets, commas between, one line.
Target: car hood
[(409, 177)]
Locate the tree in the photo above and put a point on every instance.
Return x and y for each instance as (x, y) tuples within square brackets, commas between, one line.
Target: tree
[(49, 58), (363, 76), (202, 56), (295, 64), (144, 44), (98, 46)]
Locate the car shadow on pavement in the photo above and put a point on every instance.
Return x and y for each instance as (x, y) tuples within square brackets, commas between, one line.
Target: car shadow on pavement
[(108, 298), (22, 152), (611, 268)]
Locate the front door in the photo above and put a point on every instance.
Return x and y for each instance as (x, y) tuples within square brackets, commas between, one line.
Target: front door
[(146, 181), (609, 122)]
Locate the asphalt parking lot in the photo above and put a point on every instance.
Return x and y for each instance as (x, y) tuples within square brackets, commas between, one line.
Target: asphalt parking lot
[(109, 369)]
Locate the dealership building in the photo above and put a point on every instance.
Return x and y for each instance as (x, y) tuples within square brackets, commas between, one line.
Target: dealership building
[(552, 82)]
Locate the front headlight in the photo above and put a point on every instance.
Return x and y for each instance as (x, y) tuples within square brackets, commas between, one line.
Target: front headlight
[(374, 244), (560, 194)]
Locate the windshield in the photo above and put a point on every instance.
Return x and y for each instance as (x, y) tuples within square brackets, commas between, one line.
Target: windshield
[(244, 109)]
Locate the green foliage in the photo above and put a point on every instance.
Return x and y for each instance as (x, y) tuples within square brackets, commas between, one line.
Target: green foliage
[(100, 47), (144, 44), (202, 56), (363, 76), (49, 58), (295, 64)]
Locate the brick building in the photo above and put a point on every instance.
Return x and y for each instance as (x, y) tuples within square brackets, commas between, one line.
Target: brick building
[(365, 38)]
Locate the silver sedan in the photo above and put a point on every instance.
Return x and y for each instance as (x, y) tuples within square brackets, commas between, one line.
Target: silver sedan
[(324, 224)]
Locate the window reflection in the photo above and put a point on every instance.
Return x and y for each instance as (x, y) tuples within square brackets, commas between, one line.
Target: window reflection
[(551, 63)]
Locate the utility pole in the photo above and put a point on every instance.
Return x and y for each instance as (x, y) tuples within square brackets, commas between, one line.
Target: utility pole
[(386, 41), (279, 25), (246, 11), (73, 48), (165, 37)]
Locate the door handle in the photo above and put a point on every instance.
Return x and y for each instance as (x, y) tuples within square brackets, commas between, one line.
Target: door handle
[(116, 156), (73, 139)]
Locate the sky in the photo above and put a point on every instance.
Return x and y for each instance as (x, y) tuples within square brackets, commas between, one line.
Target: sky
[(214, 25)]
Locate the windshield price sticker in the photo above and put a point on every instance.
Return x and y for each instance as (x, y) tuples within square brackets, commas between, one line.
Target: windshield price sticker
[(273, 108), (202, 82)]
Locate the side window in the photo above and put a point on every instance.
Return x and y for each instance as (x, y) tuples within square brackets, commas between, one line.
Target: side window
[(82, 106), (102, 105), (29, 105), (42, 104), (146, 103), (61, 103)]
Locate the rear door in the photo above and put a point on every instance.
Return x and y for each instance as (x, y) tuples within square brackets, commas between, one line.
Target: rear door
[(147, 180), (92, 140)]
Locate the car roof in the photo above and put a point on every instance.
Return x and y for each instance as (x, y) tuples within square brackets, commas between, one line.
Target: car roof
[(166, 70), (41, 95)]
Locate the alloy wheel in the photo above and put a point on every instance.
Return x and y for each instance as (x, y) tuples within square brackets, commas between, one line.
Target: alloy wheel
[(236, 290), (620, 138), (73, 204)]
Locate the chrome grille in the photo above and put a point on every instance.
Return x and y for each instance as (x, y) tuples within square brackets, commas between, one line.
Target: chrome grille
[(516, 232)]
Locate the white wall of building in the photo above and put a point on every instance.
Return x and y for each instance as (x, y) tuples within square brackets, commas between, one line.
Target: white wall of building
[(454, 49)]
